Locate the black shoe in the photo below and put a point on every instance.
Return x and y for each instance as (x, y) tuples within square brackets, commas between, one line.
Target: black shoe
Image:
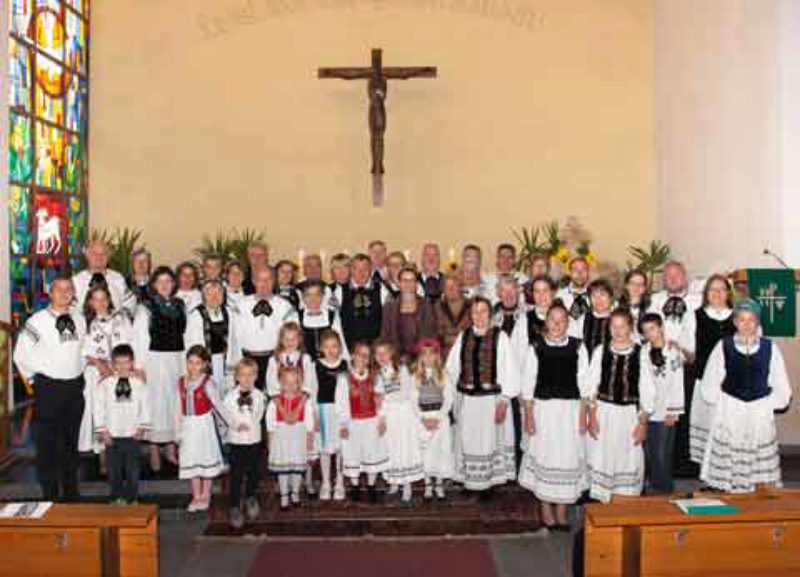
[(355, 494), (485, 496), (373, 494), (565, 528)]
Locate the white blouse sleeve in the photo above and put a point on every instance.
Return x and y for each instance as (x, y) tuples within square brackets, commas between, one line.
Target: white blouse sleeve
[(779, 380), (675, 394), (714, 375), (273, 385), (259, 405), (194, 334), (530, 371), (453, 365), (507, 369), (272, 417), (336, 327), (595, 372), (647, 388), (308, 416), (583, 372), (144, 420), (141, 335), (99, 407), (449, 395), (123, 331), (342, 401)]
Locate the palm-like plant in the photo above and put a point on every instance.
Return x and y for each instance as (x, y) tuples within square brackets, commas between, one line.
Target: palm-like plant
[(529, 244), (121, 243), (650, 258), (240, 240), (221, 244)]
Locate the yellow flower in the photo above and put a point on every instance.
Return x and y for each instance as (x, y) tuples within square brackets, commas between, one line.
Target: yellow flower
[(591, 257), (562, 255)]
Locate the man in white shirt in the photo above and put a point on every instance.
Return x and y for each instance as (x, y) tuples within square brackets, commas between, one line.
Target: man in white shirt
[(430, 277), (254, 327), (505, 267), (575, 296), (677, 307), (97, 272), (48, 355)]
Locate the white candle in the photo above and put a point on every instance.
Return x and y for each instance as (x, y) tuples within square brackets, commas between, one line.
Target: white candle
[(301, 255), (451, 255), (407, 254), (323, 256)]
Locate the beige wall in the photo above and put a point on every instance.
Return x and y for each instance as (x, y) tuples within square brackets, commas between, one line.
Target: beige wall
[(542, 109)]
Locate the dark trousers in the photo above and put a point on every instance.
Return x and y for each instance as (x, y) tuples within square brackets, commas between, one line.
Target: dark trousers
[(681, 457), (122, 461), (658, 450), (516, 415), (59, 410), (262, 360), (244, 467)]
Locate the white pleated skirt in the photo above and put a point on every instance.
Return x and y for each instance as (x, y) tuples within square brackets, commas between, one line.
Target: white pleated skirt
[(162, 371), (484, 451), (364, 451), (615, 463), (402, 444), (554, 464), (699, 425), (87, 439), (200, 452), (742, 449), (437, 448), (288, 449)]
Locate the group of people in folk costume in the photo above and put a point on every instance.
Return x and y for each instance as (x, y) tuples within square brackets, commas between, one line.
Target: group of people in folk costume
[(405, 373)]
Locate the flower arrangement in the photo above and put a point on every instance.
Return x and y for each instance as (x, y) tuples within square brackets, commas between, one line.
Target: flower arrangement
[(230, 245), (121, 243), (561, 244)]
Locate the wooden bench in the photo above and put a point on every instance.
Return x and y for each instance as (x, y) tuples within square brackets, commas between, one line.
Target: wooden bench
[(82, 540), (650, 536)]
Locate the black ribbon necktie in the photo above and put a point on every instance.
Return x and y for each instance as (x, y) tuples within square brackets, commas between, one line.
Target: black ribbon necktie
[(674, 308), (245, 400), (98, 279), (262, 308), (658, 360), (65, 323), (123, 390), (579, 307)]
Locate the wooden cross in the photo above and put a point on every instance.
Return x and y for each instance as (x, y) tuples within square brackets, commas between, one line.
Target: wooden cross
[(377, 87)]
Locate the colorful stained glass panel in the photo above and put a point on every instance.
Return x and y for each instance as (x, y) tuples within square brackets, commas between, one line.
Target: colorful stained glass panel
[(19, 72), (50, 228), (76, 105), (20, 154), (77, 226), (73, 172), (49, 156), (20, 232), (50, 33), (76, 42), (51, 84), (19, 16)]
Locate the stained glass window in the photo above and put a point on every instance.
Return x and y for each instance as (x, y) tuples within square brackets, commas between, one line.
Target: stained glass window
[(48, 129)]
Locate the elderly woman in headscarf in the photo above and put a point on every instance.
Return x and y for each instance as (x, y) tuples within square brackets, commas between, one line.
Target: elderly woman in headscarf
[(746, 382)]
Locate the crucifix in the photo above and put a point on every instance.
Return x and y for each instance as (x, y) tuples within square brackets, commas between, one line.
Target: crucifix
[(377, 87)]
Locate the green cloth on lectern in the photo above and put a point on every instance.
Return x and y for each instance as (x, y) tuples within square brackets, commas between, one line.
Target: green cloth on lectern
[(774, 290)]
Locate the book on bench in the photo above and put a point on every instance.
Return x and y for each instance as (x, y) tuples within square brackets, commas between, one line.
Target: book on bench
[(705, 507)]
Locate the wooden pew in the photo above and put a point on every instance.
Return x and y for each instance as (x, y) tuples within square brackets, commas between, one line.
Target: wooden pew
[(82, 540), (650, 536)]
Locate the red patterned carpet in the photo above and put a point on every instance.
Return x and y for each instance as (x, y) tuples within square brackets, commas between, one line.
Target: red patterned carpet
[(463, 557)]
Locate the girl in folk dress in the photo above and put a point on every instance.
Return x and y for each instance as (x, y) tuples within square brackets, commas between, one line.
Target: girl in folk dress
[(432, 399), (555, 392), (105, 329), (746, 381), (621, 392), (714, 323), (481, 363), (592, 327), (200, 448), (158, 329), (290, 352), (285, 272), (290, 427), (188, 282), (402, 440), (362, 432), (332, 371)]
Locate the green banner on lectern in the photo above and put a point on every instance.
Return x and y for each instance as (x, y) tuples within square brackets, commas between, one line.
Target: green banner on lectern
[(775, 290)]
